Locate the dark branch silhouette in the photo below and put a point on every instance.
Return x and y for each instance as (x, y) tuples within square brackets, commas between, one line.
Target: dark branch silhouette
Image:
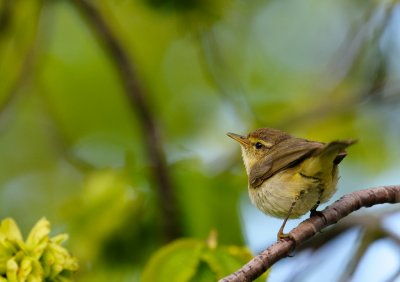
[(308, 228), (136, 96)]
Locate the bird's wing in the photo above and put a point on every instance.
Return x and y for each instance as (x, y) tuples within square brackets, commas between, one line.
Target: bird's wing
[(282, 155)]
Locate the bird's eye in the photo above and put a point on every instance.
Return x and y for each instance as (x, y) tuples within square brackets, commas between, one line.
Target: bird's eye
[(258, 145)]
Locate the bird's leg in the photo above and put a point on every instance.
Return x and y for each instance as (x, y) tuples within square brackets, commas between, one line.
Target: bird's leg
[(282, 235), (314, 211)]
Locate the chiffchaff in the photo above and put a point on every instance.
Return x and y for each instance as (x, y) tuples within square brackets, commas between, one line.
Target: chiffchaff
[(289, 176)]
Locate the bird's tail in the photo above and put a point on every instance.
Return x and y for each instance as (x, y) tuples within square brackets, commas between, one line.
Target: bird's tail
[(331, 154)]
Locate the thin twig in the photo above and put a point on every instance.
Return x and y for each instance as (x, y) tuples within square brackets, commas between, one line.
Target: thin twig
[(136, 96), (308, 228)]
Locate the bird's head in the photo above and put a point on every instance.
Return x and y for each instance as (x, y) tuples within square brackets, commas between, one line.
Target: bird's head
[(257, 144)]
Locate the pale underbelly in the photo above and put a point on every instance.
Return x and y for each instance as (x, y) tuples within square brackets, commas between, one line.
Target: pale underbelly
[(278, 194)]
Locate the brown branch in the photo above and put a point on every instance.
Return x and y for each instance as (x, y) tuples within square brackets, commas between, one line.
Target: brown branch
[(308, 228), (136, 97), (367, 221)]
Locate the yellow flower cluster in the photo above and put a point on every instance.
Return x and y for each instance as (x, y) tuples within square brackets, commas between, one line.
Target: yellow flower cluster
[(39, 258)]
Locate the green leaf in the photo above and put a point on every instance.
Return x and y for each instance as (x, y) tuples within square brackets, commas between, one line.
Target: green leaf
[(225, 260), (204, 273), (190, 260), (222, 262), (176, 262)]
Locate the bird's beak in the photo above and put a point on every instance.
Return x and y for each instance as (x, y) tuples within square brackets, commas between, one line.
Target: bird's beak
[(241, 139)]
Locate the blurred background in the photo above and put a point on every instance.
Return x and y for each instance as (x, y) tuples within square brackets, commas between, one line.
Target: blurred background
[(113, 117)]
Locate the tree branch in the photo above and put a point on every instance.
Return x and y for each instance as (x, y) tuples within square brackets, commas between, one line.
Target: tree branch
[(136, 96), (308, 228)]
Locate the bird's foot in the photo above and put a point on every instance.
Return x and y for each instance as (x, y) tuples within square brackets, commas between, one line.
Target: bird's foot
[(282, 235), (314, 212)]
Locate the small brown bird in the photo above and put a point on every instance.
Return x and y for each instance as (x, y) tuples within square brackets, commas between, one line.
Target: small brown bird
[(289, 176)]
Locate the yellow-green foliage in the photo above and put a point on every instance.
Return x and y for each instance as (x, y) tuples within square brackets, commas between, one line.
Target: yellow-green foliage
[(38, 258), (190, 260)]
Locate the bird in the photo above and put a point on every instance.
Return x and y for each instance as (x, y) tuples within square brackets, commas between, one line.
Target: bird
[(289, 176)]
